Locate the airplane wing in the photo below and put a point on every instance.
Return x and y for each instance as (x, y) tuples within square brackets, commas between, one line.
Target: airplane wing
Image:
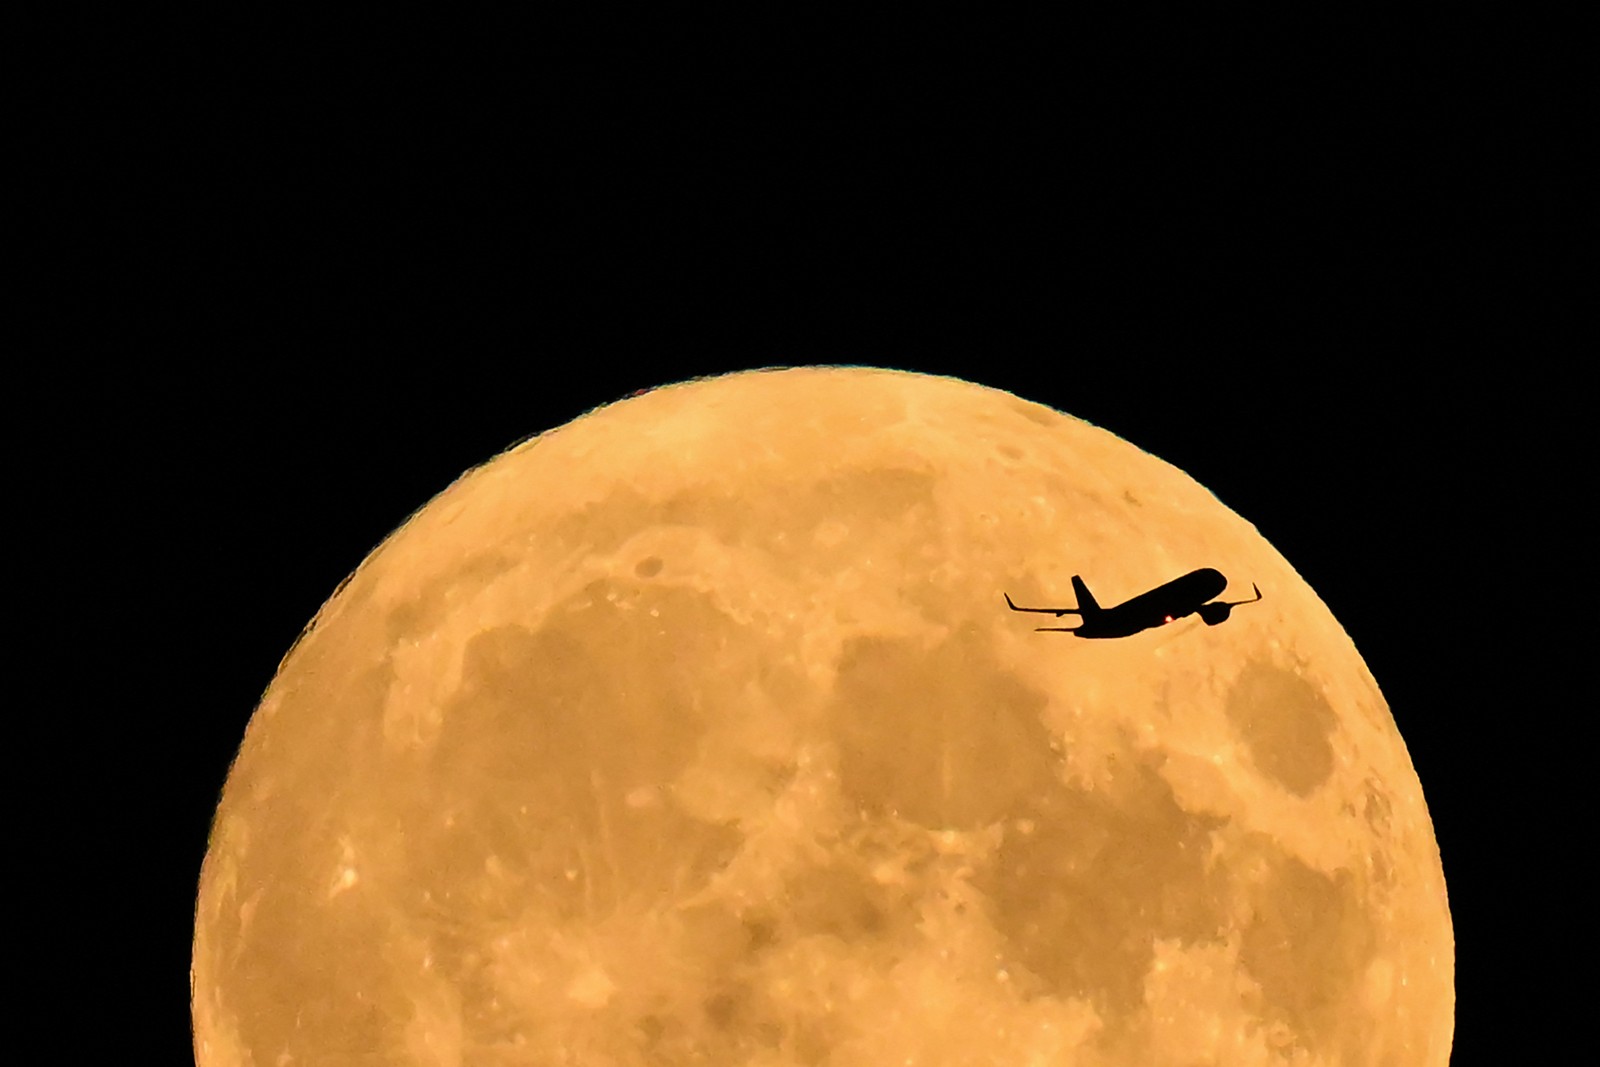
[(1043, 611), (1252, 600)]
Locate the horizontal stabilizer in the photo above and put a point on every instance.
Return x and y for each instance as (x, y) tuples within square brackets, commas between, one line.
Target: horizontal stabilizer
[(1043, 611)]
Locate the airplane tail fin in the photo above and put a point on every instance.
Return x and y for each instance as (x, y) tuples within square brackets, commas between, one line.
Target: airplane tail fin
[(1086, 600)]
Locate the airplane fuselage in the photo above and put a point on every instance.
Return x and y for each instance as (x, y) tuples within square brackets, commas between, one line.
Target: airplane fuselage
[(1167, 603)]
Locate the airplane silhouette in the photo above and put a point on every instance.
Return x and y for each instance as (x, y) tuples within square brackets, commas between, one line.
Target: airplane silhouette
[(1161, 605)]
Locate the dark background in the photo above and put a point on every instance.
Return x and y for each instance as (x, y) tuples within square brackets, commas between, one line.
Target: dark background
[(313, 276)]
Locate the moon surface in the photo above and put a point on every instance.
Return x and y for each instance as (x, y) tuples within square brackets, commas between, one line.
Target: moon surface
[(697, 732)]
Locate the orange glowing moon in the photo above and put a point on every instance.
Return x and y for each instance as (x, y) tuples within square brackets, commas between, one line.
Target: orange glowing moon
[(697, 731)]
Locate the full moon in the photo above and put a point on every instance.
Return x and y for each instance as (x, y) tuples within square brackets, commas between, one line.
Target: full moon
[(698, 731)]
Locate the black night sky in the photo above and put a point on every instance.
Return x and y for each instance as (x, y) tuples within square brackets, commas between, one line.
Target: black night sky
[(316, 285)]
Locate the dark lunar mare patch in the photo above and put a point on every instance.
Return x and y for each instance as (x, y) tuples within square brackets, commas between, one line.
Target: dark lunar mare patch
[(1103, 874), (1286, 723), (428, 606), (1037, 413), (1308, 942), (940, 736), (555, 729)]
